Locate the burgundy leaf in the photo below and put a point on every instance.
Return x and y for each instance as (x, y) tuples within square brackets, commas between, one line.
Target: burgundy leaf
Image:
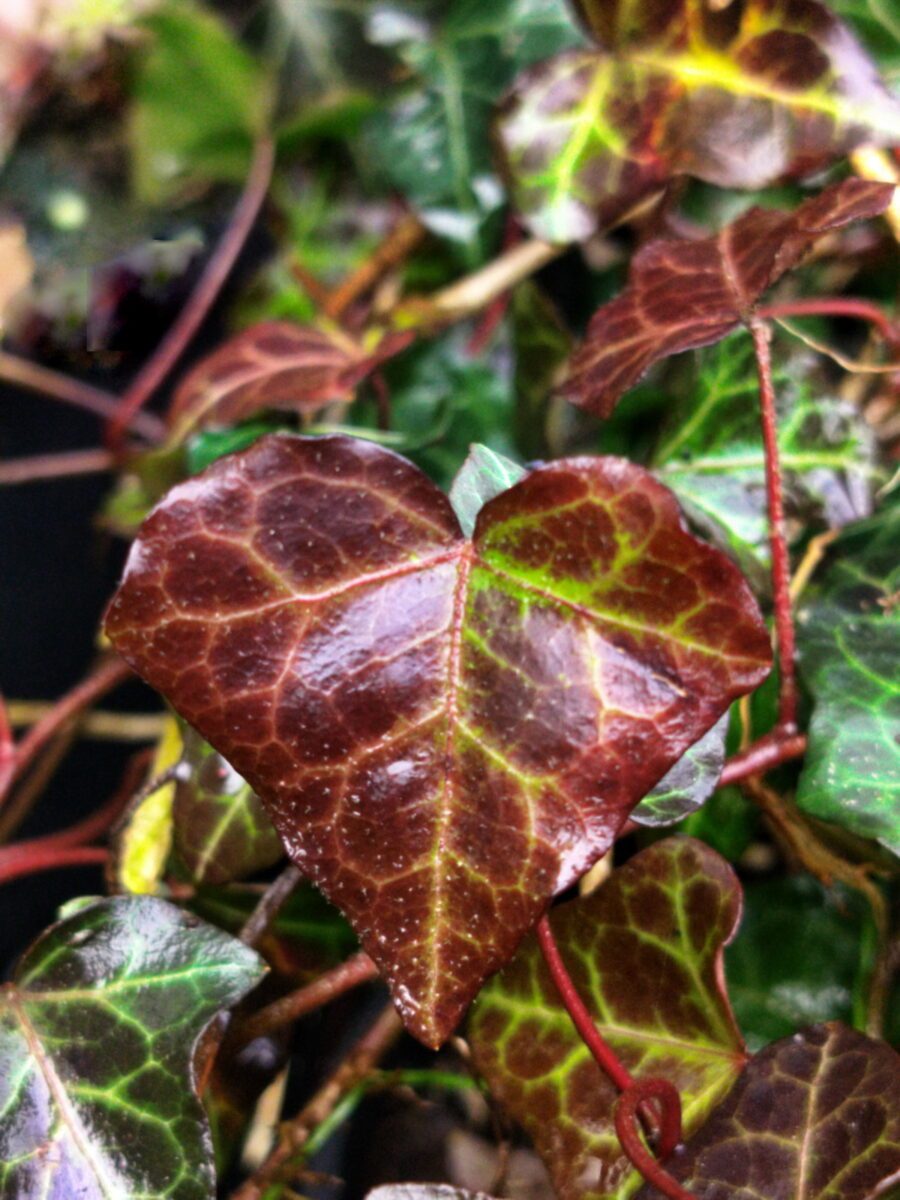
[(275, 365), (815, 1115), (684, 294), (445, 732)]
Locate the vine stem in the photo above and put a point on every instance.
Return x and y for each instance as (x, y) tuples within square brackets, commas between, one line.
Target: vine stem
[(24, 373), (107, 676), (48, 858), (770, 751), (39, 467), (357, 1064), (835, 306), (161, 362), (636, 1093), (270, 904), (781, 566), (343, 978), (395, 248)]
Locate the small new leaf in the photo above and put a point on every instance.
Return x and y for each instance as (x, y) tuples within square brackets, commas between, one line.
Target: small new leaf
[(445, 731), (683, 294), (662, 920), (274, 365), (814, 1116), (484, 475), (98, 1033)]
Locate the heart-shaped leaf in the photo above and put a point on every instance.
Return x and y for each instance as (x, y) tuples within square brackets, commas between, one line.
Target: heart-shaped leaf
[(813, 1116), (645, 952), (740, 96), (97, 1040), (222, 831), (445, 732), (849, 640), (682, 294), (276, 364)]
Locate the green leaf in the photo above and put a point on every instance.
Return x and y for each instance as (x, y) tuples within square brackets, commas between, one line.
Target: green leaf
[(849, 642), (98, 1034), (813, 1117), (199, 100), (433, 144), (484, 475), (690, 782), (542, 345), (645, 952), (796, 958), (712, 456), (739, 98), (221, 828), (727, 822)]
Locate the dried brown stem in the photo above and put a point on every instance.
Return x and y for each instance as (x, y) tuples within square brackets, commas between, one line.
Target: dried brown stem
[(396, 247), (356, 1066), (270, 903), (348, 975), (162, 361)]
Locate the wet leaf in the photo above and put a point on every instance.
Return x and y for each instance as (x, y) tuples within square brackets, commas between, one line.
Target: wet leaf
[(445, 732), (98, 1033), (199, 100), (221, 828), (275, 365), (689, 784), (712, 455), (849, 639), (482, 476), (662, 919), (796, 957), (433, 143), (685, 294), (814, 1115), (741, 98)]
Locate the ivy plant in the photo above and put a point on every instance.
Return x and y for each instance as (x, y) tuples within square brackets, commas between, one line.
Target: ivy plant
[(512, 599)]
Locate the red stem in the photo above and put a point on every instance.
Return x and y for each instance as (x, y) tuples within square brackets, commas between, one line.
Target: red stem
[(191, 317), (627, 1130), (637, 1094), (776, 747), (838, 306), (24, 373), (104, 679), (55, 466), (49, 858), (781, 565), (7, 749)]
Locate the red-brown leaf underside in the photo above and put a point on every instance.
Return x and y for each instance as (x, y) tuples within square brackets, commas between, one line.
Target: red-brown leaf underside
[(683, 294), (276, 364), (445, 732)]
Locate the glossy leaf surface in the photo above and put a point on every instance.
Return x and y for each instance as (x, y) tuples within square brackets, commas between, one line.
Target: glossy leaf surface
[(815, 1115), (97, 1040), (662, 919), (445, 732), (739, 98), (222, 831), (849, 641), (684, 294), (275, 365), (690, 782), (712, 454)]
